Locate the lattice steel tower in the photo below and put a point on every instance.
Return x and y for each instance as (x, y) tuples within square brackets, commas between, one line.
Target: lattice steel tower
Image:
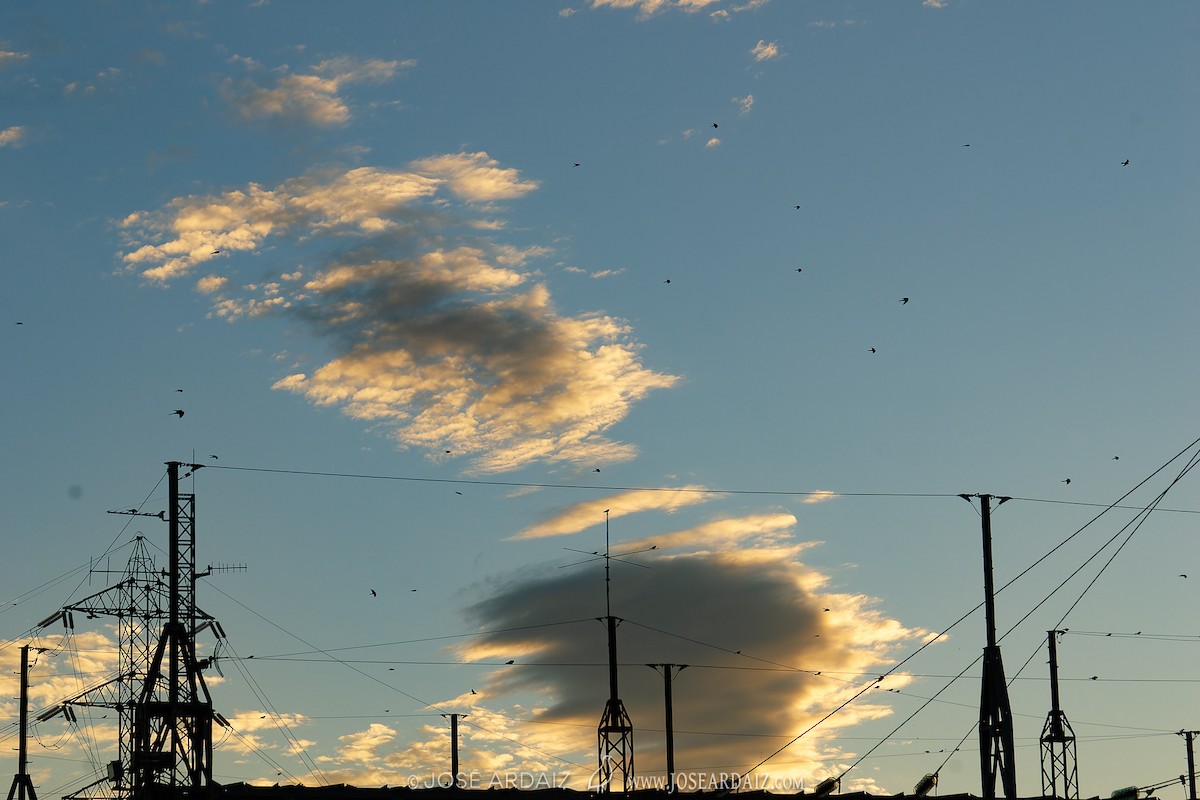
[(615, 732), (1059, 769), (165, 713)]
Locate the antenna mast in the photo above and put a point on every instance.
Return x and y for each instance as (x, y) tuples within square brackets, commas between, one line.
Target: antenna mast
[(615, 732), (1059, 767)]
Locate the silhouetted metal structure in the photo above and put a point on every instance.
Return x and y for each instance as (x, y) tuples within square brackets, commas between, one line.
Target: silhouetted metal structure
[(669, 671), (1060, 776), (996, 750), (165, 713), (454, 718), (614, 734), (22, 786)]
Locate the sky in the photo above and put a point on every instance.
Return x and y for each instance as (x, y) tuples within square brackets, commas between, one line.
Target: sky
[(454, 296)]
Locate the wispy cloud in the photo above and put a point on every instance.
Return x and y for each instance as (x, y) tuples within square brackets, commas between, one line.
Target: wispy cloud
[(765, 51), (744, 104), (12, 137), (314, 98), (8, 57), (649, 8), (444, 344), (590, 513)]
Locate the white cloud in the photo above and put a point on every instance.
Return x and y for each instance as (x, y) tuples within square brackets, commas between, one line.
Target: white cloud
[(649, 8), (713, 142), (744, 104), (765, 51)]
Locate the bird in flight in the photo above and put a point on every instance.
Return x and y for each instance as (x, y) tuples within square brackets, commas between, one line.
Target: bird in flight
[(715, 125), (1125, 163), (577, 163), (872, 349), (178, 412), (179, 390), (668, 280), (1116, 458), (1183, 574), (797, 208), (373, 593), (1067, 481), (597, 469), (216, 252), (210, 455), (968, 144), (903, 301), (799, 269), (473, 692), (510, 661)]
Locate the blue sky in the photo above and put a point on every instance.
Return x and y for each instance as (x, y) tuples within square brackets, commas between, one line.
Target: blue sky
[(441, 282)]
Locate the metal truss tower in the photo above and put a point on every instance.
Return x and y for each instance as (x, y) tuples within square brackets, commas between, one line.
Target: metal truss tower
[(165, 713), (1059, 770), (615, 731)]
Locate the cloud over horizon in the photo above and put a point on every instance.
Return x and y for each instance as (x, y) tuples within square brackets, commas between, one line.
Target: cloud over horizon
[(764, 687)]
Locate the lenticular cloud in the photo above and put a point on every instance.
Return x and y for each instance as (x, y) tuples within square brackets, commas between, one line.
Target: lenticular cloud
[(445, 341)]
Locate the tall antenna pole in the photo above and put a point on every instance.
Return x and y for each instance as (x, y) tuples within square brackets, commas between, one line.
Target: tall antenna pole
[(1058, 739), (454, 718), (996, 749), (669, 716), (615, 733), (1189, 737), (22, 786)]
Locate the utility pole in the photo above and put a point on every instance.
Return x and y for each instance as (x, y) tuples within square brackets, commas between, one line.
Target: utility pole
[(666, 670), (1058, 739), (22, 786), (996, 748), (454, 718), (1190, 737)]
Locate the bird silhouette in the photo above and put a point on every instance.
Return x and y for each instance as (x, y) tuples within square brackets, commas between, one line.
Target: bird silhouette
[(597, 469), (210, 455), (510, 661), (1067, 481), (473, 692), (668, 280), (872, 349), (903, 301), (1125, 163), (373, 594), (1094, 678), (799, 269), (179, 390), (216, 252), (1183, 575), (715, 125), (577, 163), (1116, 458), (968, 144), (458, 492), (797, 208), (178, 412)]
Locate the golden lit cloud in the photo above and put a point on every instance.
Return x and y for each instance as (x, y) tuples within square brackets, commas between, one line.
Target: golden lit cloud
[(590, 513), (451, 345), (682, 611), (765, 51), (12, 137), (313, 98)]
